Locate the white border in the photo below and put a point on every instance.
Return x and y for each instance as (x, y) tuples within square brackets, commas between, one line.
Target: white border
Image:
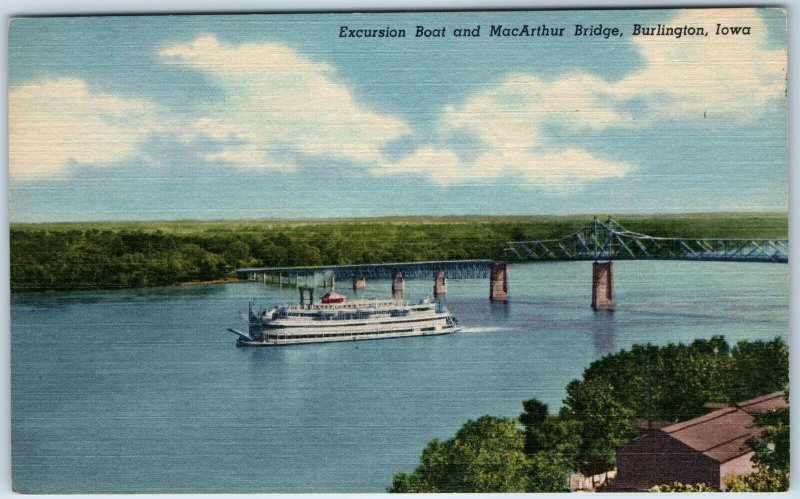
[(77, 7)]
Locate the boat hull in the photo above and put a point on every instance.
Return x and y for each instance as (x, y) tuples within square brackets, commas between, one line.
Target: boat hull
[(270, 341)]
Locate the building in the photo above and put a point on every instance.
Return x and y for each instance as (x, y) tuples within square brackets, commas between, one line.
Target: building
[(705, 449)]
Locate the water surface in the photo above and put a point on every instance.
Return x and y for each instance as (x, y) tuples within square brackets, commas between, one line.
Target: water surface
[(145, 391)]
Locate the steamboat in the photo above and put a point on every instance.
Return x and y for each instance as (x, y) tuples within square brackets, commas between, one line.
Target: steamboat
[(337, 319)]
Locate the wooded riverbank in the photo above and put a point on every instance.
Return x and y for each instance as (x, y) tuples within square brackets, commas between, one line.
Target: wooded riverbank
[(108, 255)]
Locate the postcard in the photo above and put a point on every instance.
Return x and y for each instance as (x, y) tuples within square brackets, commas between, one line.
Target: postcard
[(392, 252)]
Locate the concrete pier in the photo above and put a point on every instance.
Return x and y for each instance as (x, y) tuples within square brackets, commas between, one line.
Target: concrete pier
[(498, 282), (439, 283), (603, 285), (303, 290), (398, 285), (359, 282)]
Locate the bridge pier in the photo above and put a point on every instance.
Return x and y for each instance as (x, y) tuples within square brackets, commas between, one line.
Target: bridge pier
[(359, 282), (439, 283), (329, 279), (498, 282), (303, 290), (603, 285), (398, 285)]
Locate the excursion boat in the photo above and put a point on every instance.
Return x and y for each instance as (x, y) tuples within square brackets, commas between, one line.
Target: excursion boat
[(336, 319)]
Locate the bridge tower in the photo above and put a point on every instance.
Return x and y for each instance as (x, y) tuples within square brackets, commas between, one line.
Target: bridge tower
[(603, 285), (398, 285), (498, 282)]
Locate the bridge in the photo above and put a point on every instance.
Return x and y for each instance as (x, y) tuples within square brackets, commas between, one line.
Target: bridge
[(600, 242), (611, 241)]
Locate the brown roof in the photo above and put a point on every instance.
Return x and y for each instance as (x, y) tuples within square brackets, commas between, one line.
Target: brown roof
[(722, 434), (764, 403)]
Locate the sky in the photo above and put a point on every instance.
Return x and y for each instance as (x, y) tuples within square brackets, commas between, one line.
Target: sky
[(277, 116)]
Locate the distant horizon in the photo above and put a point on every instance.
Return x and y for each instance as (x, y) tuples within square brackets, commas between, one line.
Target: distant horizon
[(424, 216)]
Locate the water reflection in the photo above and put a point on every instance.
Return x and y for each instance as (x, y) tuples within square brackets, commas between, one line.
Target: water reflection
[(157, 294), (500, 311), (604, 331)]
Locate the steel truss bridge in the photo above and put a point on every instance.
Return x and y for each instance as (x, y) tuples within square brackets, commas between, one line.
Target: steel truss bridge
[(454, 269), (610, 241)]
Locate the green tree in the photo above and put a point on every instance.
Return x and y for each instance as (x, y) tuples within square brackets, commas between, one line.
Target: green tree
[(533, 418), (763, 480), (758, 365), (604, 422), (549, 472), (485, 456), (235, 252), (545, 432), (683, 487), (772, 449), (552, 444)]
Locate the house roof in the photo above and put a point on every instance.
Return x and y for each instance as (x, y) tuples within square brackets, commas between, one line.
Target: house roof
[(722, 434), (764, 403)]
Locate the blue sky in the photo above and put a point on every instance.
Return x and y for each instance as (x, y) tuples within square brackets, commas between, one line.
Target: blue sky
[(275, 116)]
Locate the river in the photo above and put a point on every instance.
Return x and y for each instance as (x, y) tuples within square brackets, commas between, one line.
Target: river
[(145, 391)]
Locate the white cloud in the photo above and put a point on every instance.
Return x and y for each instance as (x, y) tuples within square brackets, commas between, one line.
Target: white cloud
[(443, 166), (554, 170), (53, 122), (728, 78), (244, 157), (731, 76), (511, 114), (278, 100), (509, 121)]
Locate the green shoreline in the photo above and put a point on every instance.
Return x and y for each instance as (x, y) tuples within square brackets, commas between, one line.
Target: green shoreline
[(112, 255)]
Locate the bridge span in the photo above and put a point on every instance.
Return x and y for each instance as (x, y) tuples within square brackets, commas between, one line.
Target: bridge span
[(455, 269), (610, 241), (326, 275)]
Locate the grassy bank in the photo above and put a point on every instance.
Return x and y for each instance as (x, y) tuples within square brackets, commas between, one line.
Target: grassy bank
[(109, 255)]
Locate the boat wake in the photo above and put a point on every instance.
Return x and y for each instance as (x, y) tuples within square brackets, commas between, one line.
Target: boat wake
[(483, 329)]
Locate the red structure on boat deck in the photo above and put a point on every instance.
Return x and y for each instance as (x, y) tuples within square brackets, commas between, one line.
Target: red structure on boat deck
[(333, 297)]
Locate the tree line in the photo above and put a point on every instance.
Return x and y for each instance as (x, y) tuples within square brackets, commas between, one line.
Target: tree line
[(126, 255), (538, 451), (47, 259)]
